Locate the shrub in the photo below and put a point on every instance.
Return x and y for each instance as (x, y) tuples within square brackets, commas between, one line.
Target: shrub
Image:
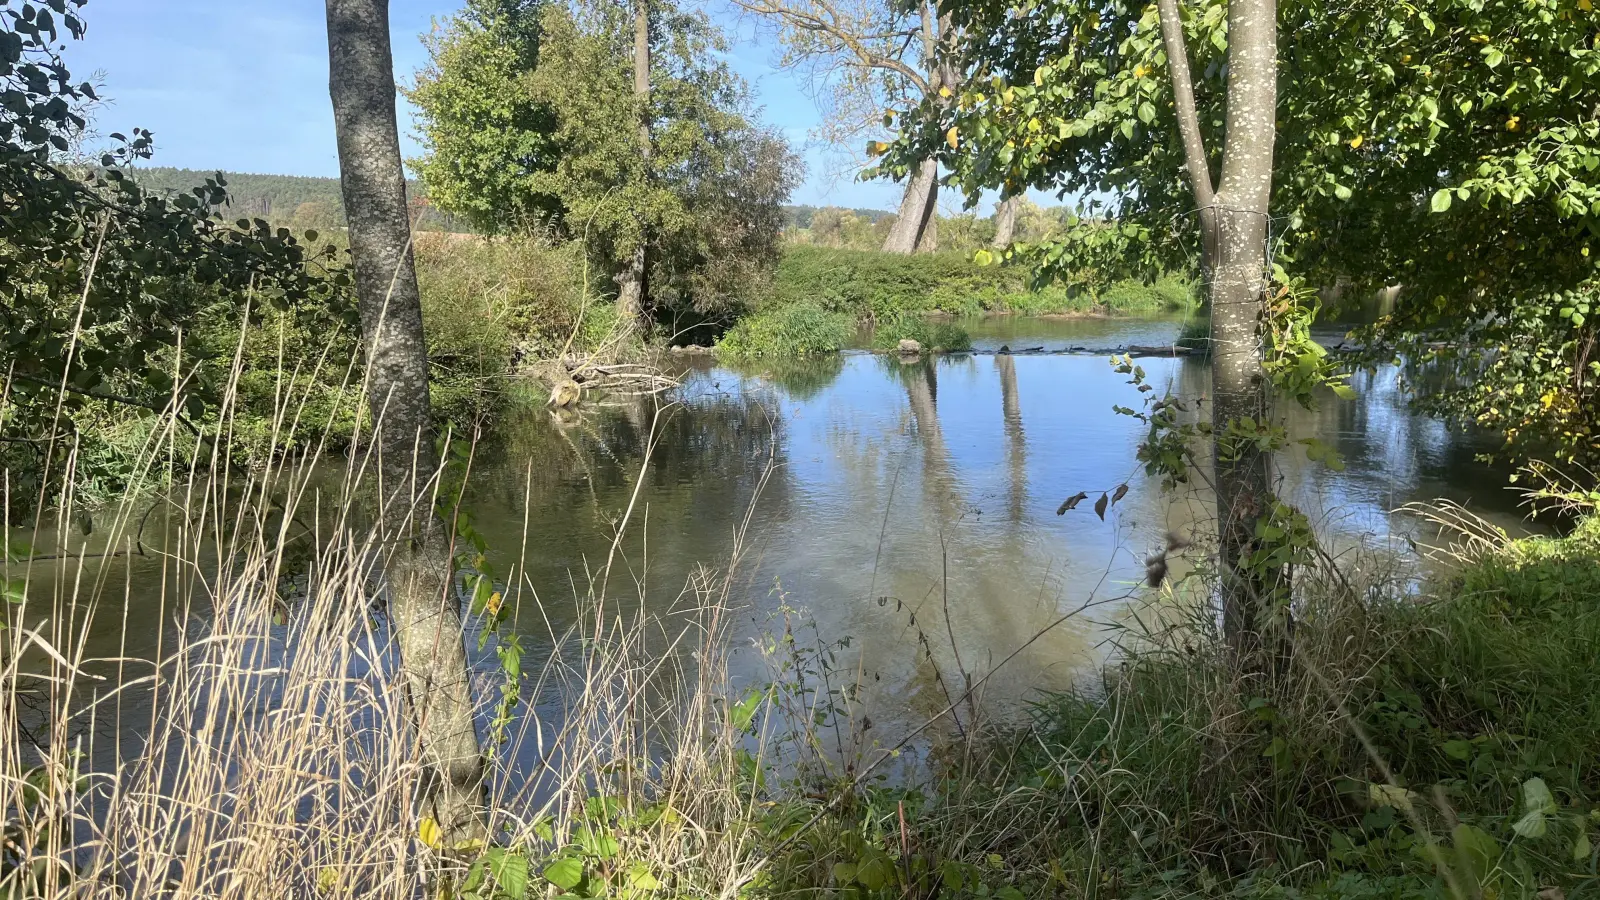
[(930, 333), (791, 329), (871, 285), (1166, 294)]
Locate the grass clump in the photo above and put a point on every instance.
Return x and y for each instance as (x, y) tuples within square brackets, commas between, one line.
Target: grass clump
[(789, 330), (933, 334)]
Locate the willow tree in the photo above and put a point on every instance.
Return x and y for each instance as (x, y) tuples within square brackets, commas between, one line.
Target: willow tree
[(863, 57), (423, 610)]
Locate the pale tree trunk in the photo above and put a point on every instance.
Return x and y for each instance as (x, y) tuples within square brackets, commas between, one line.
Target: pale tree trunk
[(1005, 223), (915, 225), (1233, 221), (634, 288), (916, 228), (423, 610), (1016, 440)]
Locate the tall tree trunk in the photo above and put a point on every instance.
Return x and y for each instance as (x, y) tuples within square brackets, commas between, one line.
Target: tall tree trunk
[(1233, 221), (633, 295), (918, 208), (423, 609), (1005, 223), (1016, 440)]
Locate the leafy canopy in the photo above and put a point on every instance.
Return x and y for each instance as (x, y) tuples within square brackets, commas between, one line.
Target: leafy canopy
[(1452, 147), (99, 278), (527, 116)]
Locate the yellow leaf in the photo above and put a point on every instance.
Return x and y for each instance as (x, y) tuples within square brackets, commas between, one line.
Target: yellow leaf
[(952, 137), (1034, 125), (1407, 58), (1585, 5), (1480, 39), (1141, 71), (428, 830), (1355, 142), (495, 600), (944, 92), (327, 879), (1513, 123)]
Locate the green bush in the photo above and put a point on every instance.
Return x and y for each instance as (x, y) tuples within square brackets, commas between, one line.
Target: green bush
[(487, 303), (1470, 720), (1166, 294), (870, 285), (932, 334), (788, 330)]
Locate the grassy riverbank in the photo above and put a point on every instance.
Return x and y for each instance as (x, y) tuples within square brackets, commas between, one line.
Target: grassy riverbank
[(1445, 744), (818, 294)]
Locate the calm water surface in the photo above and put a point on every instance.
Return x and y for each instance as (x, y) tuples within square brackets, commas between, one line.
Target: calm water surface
[(880, 499)]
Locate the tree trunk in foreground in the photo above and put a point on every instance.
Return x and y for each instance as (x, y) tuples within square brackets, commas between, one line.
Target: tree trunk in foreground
[(1005, 223), (1233, 220), (423, 609), (915, 227), (634, 288)]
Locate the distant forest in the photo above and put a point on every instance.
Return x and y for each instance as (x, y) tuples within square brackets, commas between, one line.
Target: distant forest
[(306, 202)]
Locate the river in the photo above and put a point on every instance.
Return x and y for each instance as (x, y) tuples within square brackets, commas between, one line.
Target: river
[(903, 514)]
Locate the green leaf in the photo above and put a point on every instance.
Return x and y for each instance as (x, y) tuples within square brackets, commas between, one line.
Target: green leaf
[(565, 873), (599, 845), (1147, 112), (511, 873), (1342, 192), (1441, 201), (1539, 805), (744, 712)]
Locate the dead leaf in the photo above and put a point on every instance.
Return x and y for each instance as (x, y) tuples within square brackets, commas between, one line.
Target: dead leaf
[(1100, 506), (1071, 502), (1119, 493)]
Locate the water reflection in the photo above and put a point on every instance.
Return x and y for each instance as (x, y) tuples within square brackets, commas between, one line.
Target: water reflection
[(909, 507)]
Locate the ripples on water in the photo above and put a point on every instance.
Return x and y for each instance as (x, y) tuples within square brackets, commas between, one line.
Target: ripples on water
[(891, 502)]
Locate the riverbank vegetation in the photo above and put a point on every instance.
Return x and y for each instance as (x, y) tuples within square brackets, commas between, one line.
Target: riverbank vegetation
[(1440, 742), (331, 698)]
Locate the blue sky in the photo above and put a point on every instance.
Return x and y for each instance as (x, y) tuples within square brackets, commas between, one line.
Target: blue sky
[(241, 85)]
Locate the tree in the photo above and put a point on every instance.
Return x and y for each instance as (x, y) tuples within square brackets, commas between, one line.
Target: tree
[(423, 609), (101, 280), (633, 294), (708, 198), (1001, 128), (865, 56), (1451, 149)]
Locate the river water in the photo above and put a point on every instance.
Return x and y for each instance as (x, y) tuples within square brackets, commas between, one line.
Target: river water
[(907, 509)]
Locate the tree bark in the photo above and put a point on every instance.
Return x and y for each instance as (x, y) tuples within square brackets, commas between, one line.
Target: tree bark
[(915, 228), (1233, 221), (1005, 223), (423, 610), (633, 295)]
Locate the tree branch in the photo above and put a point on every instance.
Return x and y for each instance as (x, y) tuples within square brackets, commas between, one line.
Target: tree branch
[(1194, 148), (828, 24)]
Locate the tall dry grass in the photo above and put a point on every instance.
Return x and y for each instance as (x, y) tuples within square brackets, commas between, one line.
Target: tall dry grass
[(203, 700)]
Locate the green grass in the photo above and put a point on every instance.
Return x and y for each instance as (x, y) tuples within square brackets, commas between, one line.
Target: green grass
[(871, 285), (788, 330), (934, 335), (1467, 722)]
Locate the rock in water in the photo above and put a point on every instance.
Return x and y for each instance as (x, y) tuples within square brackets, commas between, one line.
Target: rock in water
[(565, 394), (908, 347)]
